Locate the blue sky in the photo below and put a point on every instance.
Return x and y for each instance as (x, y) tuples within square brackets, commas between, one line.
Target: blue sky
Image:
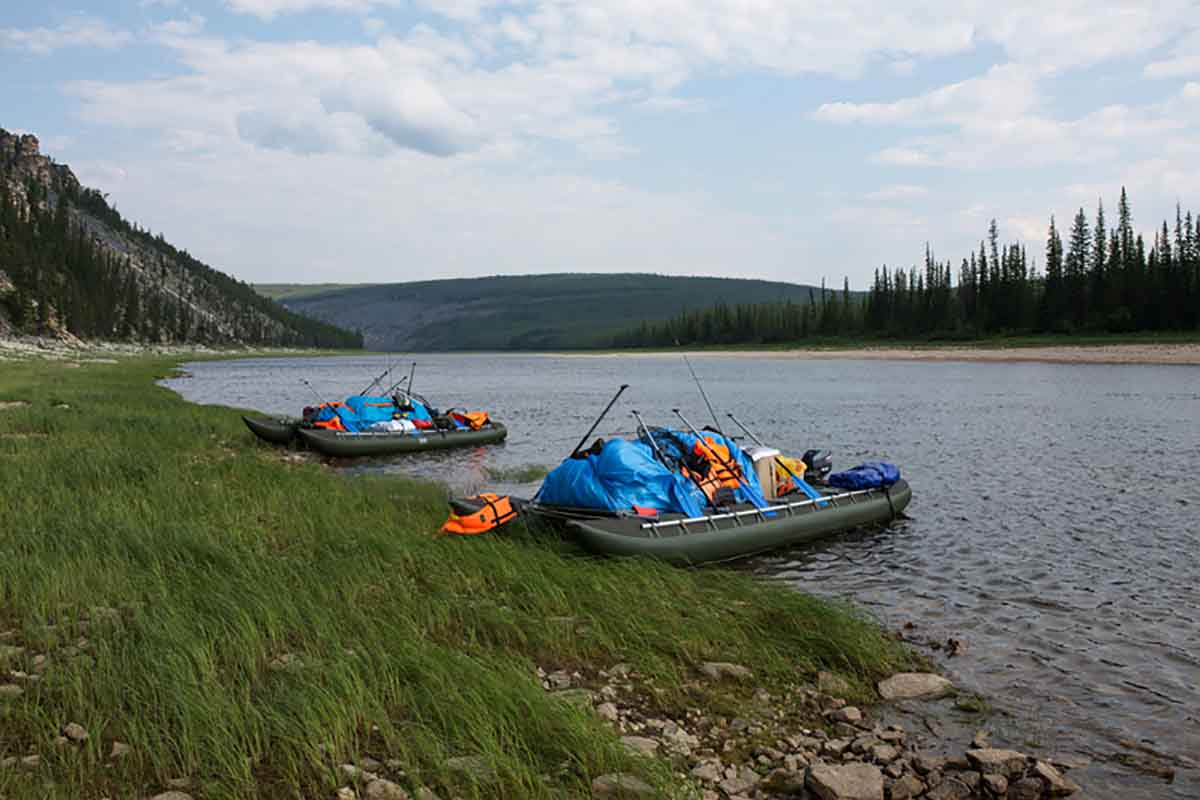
[(388, 140)]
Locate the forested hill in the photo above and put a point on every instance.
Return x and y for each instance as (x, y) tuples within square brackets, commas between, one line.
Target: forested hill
[(70, 264), (1099, 278), (521, 312)]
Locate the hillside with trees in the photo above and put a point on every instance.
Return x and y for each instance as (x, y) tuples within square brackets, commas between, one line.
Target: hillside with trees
[(70, 264), (1099, 279), (521, 312)]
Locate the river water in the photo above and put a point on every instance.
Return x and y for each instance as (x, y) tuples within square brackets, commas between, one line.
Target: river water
[(1054, 528)]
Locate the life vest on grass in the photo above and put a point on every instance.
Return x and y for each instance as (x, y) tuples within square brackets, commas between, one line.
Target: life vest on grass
[(479, 514)]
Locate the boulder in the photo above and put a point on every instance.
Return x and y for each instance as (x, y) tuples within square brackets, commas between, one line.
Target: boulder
[(994, 761), (709, 771), (950, 789), (848, 714), (912, 685), (618, 784), (743, 780), (884, 753), (996, 784), (1025, 789), (1057, 784), (846, 782), (906, 788)]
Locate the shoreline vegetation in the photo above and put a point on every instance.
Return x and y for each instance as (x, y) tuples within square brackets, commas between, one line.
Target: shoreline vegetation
[(186, 614), (182, 607)]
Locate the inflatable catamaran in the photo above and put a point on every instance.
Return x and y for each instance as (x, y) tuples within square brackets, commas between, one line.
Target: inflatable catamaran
[(375, 425), (691, 497)]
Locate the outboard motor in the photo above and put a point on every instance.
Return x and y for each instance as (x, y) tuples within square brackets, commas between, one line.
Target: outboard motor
[(817, 465)]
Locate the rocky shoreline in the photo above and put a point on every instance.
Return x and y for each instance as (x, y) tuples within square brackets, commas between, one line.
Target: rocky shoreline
[(71, 349), (808, 744)]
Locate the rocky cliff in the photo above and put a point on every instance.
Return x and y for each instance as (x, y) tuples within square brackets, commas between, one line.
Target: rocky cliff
[(71, 265)]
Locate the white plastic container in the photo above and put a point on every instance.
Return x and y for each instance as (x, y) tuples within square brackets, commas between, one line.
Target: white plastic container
[(763, 459)]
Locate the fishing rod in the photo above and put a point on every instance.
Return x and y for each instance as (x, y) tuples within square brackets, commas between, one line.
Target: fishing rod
[(704, 394), (316, 394), (377, 380), (396, 385), (758, 442), (412, 370), (733, 469), (596, 424)]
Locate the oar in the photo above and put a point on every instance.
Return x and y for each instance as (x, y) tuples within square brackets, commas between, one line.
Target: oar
[(704, 394), (596, 424), (650, 436)]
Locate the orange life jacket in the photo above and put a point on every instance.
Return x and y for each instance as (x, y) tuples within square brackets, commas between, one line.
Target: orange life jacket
[(494, 510), (474, 419), (719, 474), (333, 424)]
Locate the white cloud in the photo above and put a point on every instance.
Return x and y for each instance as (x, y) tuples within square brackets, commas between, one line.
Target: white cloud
[(1005, 91), (898, 191), (1183, 61), (75, 31)]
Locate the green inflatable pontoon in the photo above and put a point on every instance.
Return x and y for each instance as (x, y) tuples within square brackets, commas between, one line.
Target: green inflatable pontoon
[(279, 430), (728, 534), (341, 444)]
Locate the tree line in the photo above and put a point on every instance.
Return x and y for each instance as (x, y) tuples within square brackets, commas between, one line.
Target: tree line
[(1101, 279), (74, 272)]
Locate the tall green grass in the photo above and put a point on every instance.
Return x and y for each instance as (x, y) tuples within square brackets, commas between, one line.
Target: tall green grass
[(251, 623)]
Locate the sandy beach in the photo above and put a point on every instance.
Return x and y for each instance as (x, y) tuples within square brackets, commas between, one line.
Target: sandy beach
[(1179, 354)]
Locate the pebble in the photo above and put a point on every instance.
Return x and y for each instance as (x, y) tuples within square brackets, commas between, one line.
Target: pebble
[(75, 732), (718, 670), (380, 789), (10, 691), (172, 795)]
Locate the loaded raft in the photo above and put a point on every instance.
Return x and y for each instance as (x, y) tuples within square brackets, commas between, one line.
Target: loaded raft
[(698, 497), (369, 425)]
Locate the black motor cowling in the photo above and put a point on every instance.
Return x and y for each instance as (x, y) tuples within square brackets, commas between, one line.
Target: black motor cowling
[(817, 465)]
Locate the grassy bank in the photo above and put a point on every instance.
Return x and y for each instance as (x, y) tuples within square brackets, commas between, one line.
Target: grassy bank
[(250, 623)]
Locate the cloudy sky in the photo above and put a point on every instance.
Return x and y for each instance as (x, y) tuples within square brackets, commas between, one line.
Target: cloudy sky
[(373, 140)]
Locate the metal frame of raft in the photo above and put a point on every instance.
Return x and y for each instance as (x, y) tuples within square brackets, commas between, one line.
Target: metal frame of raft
[(711, 519)]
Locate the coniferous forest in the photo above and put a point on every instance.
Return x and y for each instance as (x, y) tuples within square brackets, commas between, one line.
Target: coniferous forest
[(1096, 278), (70, 263)]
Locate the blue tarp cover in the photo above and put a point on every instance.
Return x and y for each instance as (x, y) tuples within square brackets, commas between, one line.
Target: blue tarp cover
[(868, 475), (625, 474), (371, 409)]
